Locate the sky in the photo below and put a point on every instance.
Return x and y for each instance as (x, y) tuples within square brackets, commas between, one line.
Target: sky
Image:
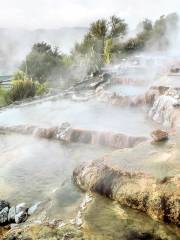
[(34, 14)]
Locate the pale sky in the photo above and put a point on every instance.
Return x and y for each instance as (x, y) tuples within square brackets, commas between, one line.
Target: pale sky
[(34, 14)]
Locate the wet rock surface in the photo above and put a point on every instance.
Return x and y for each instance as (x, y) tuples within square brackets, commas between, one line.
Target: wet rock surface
[(4, 215), (132, 235), (159, 199), (3, 204), (11, 214), (163, 109), (44, 231), (50, 231), (107, 219), (67, 134), (15, 214), (4, 209), (159, 135), (112, 222)]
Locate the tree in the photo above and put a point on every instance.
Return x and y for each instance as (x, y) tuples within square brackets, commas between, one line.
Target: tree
[(108, 50), (19, 75), (117, 27), (97, 44), (99, 29), (146, 25), (157, 36), (104, 42), (131, 45), (42, 63), (85, 46), (163, 30)]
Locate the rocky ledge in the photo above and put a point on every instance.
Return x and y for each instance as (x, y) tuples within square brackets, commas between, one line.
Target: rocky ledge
[(15, 214), (160, 199), (70, 232), (44, 231), (68, 134), (159, 135)]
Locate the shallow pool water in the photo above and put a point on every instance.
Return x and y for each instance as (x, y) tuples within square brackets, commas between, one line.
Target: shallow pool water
[(108, 220), (157, 159), (128, 90), (89, 115), (38, 170), (33, 170)]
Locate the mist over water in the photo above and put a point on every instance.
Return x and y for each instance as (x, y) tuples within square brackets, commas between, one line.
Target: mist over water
[(86, 115), (15, 44), (33, 169), (63, 24)]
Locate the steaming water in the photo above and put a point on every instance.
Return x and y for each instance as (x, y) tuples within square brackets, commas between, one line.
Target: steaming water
[(128, 90), (159, 160), (34, 170), (88, 115), (171, 81)]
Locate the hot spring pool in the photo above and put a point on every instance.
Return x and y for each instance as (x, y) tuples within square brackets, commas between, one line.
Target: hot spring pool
[(33, 170), (89, 115), (37, 170), (128, 90)]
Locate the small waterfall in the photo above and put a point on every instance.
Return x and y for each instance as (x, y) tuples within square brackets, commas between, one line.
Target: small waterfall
[(163, 110), (68, 134)]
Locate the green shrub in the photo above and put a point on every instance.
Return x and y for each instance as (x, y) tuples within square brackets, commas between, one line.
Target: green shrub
[(41, 88), (4, 97), (22, 89), (19, 75), (42, 63)]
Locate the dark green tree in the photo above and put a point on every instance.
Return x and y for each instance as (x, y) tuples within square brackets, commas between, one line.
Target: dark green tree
[(117, 27), (42, 63), (98, 43), (99, 29)]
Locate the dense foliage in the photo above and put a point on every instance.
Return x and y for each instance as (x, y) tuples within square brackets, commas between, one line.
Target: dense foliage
[(155, 36), (42, 63), (4, 98), (105, 39), (22, 87), (97, 43)]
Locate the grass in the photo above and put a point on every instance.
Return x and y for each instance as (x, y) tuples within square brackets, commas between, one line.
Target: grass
[(19, 90), (3, 97)]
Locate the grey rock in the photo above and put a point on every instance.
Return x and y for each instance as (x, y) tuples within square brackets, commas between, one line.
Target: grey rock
[(21, 217), (21, 208), (4, 215), (11, 214), (64, 131), (4, 204), (32, 209), (159, 135)]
